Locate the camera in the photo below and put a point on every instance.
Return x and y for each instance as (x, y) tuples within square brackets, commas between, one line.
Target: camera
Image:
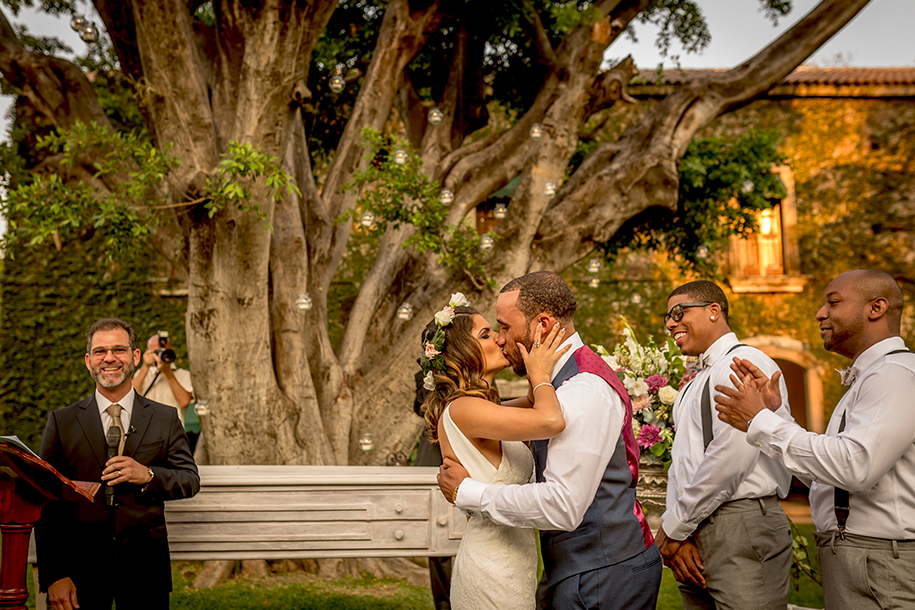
[(165, 354)]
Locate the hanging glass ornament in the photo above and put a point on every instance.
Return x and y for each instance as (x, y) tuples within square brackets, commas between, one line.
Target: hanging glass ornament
[(499, 211), (89, 33), (702, 252), (337, 83), (594, 282), (77, 22), (366, 443), (549, 189), (594, 265), (304, 302), (405, 311), (446, 197), (400, 157), (202, 408), (487, 242), (436, 116), (367, 220), (536, 131), (636, 298), (747, 186)]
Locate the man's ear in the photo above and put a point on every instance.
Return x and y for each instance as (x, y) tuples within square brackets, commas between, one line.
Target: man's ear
[(714, 312), (548, 322), (877, 308)]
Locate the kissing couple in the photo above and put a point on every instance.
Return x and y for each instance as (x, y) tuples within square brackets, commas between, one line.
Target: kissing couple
[(576, 483)]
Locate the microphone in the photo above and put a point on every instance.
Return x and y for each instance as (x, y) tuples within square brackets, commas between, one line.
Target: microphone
[(113, 439)]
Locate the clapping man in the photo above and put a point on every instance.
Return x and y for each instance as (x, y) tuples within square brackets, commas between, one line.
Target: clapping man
[(862, 471)]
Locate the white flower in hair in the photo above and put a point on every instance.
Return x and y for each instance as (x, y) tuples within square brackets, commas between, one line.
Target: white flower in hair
[(458, 300), (444, 317), (429, 381)]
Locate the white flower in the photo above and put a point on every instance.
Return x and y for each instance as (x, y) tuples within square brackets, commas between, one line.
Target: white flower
[(667, 395), (459, 300), (612, 361), (444, 317), (635, 385), (648, 416), (429, 381), (636, 426)]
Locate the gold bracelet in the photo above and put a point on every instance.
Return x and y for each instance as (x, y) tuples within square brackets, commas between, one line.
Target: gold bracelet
[(454, 495), (540, 384)]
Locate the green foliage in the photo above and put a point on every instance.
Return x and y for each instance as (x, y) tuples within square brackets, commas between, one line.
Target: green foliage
[(801, 563), (723, 182), (49, 300), (399, 194)]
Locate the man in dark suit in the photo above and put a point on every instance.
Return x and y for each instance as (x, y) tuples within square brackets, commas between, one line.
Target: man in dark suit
[(91, 554)]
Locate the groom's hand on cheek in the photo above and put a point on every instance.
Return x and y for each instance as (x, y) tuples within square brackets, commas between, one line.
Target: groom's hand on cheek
[(450, 475)]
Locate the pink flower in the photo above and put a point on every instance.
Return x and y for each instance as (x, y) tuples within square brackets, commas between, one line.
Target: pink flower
[(649, 436), (686, 379), (640, 402), (431, 352), (655, 383)]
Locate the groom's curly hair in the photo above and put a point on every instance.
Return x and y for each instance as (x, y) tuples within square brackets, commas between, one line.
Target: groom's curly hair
[(464, 363)]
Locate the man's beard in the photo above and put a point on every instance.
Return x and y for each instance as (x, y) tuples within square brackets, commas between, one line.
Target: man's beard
[(109, 382), (515, 356)]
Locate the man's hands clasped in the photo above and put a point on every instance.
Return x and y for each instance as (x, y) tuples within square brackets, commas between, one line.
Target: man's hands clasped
[(682, 557)]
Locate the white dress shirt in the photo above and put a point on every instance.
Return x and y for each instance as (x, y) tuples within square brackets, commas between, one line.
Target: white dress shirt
[(699, 480), (874, 458), (576, 460), (126, 409), (161, 391)]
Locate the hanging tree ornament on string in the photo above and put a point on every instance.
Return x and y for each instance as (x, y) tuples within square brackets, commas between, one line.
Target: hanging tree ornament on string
[(594, 265), (436, 116), (500, 211), (446, 197), (594, 282), (405, 311), (549, 189), (400, 157), (304, 302), (337, 83), (536, 131), (702, 252), (77, 22), (367, 220), (89, 33), (366, 443), (486, 243), (636, 298)]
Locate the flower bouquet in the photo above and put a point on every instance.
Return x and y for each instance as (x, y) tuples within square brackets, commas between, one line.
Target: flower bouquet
[(653, 377)]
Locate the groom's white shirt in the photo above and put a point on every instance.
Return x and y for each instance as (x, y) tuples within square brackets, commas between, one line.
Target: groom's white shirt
[(575, 464)]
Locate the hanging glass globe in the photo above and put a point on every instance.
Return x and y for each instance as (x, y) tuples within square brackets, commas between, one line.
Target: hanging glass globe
[(89, 33), (367, 220), (400, 157), (201, 408), (747, 186), (499, 211), (594, 265), (337, 84), (487, 242), (636, 298), (405, 311), (366, 443), (446, 197), (594, 283), (304, 302), (436, 116), (702, 252), (549, 189), (77, 22), (536, 131)]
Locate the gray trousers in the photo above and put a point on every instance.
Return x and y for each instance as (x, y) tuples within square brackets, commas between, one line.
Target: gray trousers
[(746, 549), (861, 573)]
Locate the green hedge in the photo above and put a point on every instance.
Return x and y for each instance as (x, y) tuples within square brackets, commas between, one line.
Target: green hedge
[(50, 299)]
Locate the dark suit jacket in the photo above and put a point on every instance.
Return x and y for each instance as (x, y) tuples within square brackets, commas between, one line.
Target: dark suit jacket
[(91, 543)]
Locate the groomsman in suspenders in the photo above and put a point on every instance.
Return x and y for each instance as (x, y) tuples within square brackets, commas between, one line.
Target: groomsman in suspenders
[(723, 534), (862, 471)]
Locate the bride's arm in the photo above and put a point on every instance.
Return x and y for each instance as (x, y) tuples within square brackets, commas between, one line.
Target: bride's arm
[(479, 418)]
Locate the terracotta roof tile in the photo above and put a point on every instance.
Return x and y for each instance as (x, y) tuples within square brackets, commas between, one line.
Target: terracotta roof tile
[(804, 75)]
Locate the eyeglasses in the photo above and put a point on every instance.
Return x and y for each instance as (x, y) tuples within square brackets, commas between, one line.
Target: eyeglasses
[(676, 312), (119, 351)]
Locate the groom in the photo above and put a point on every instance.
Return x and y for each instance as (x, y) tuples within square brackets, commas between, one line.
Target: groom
[(596, 544)]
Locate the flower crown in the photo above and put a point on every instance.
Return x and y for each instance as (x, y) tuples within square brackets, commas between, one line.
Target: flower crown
[(432, 357)]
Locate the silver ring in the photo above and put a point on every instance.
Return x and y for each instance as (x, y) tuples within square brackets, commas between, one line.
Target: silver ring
[(536, 343)]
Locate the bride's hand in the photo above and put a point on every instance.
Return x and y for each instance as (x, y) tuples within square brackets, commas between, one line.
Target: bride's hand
[(544, 354)]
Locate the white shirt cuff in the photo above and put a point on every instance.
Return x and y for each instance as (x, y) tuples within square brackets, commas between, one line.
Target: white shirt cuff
[(470, 496), (676, 529), (761, 429)]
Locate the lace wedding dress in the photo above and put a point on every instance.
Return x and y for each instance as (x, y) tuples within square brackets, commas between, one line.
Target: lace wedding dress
[(496, 565)]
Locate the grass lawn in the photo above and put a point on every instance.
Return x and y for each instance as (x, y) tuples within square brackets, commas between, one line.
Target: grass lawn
[(299, 591)]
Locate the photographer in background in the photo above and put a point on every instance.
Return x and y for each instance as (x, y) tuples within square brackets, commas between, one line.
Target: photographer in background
[(160, 380)]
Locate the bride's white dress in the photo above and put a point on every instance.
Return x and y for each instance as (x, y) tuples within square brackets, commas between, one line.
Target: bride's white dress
[(496, 565)]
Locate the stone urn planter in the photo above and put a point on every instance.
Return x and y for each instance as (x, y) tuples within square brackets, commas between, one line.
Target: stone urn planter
[(651, 492)]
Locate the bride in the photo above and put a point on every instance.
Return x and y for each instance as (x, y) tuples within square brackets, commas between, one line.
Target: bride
[(496, 565)]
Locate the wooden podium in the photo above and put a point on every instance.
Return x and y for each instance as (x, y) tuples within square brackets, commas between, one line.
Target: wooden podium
[(26, 484)]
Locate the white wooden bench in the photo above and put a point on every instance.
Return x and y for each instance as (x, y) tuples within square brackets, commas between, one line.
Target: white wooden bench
[(302, 512)]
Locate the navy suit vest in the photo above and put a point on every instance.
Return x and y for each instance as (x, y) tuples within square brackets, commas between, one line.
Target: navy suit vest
[(614, 528)]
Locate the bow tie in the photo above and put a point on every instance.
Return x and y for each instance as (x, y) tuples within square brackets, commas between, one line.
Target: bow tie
[(848, 375), (700, 364)]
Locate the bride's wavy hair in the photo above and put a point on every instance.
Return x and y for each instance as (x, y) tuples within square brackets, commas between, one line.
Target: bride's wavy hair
[(464, 364)]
